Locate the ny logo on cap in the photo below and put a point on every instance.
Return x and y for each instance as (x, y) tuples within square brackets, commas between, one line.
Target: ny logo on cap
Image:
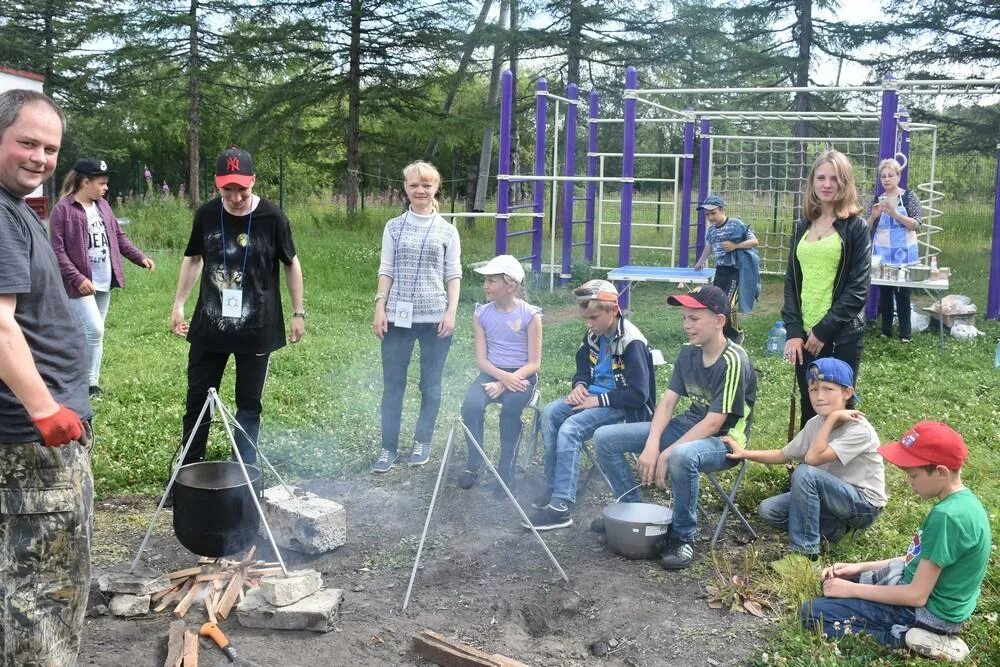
[(104, 165), (233, 163), (908, 440)]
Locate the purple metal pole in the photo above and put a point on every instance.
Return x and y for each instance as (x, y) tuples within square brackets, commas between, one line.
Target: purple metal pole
[(503, 160), (886, 149), (704, 158), (628, 173), (993, 295), (904, 147), (538, 187), (592, 128), (569, 169), (687, 168)]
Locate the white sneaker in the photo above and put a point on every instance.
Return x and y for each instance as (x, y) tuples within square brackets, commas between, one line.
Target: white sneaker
[(932, 645)]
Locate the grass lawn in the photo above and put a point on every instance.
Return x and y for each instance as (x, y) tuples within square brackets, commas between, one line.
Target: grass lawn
[(322, 396)]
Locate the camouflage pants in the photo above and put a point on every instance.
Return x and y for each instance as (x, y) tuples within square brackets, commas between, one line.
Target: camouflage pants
[(46, 509)]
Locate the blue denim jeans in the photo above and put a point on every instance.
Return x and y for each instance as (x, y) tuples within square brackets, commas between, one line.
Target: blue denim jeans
[(511, 406), (818, 505), (686, 462), (564, 431), (92, 311), (886, 623), (397, 348)]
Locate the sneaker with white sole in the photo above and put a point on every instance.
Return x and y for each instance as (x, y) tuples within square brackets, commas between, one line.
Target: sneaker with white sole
[(386, 459), (541, 500), (676, 555), (421, 454), (550, 517), (932, 645)]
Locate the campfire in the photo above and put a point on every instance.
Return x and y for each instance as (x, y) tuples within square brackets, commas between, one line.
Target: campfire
[(217, 583)]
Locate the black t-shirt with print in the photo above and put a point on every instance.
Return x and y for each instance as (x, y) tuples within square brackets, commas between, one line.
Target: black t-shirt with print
[(260, 326)]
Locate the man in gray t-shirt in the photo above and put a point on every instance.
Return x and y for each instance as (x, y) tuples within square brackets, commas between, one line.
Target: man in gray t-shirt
[(840, 482), (47, 500)]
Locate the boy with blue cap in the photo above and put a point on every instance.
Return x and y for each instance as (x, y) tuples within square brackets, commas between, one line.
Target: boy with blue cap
[(737, 266), (839, 483)]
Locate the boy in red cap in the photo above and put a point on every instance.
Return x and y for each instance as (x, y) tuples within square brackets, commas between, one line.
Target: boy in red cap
[(922, 599)]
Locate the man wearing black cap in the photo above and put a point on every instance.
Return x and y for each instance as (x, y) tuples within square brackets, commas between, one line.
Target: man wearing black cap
[(47, 499), (237, 242), (716, 376)]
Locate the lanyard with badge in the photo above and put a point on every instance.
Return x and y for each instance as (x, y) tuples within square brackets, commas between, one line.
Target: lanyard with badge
[(232, 299), (404, 309)]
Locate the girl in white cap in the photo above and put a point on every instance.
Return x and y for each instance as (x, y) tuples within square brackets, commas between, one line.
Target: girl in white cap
[(508, 334)]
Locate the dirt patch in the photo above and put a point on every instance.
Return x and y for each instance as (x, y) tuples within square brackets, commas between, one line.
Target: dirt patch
[(483, 580)]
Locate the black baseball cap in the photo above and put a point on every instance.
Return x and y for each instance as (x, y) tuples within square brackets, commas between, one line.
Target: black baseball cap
[(706, 296), (234, 166), (90, 167)]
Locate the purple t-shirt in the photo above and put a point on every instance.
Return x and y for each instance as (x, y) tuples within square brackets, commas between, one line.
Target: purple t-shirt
[(506, 333)]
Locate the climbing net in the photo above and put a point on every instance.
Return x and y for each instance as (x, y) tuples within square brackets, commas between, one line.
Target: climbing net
[(762, 179)]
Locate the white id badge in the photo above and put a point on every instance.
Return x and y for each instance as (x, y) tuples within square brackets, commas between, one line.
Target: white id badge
[(232, 303), (404, 314)]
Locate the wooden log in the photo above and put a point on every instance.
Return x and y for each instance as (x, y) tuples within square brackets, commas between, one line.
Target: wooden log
[(228, 598), (190, 649), (449, 653), (186, 602), (175, 644)]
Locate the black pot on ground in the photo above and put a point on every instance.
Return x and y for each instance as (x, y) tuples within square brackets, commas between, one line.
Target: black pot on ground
[(214, 514)]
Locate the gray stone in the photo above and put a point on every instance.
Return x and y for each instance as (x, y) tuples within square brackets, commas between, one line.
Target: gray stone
[(129, 605), (317, 612), (141, 582), (306, 523), (282, 591)]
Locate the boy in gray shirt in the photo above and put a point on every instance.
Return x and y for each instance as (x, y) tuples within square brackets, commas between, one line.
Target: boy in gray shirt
[(840, 482)]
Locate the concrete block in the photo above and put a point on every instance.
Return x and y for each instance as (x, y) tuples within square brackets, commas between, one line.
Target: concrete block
[(282, 591), (129, 605), (141, 582), (316, 612), (306, 523)]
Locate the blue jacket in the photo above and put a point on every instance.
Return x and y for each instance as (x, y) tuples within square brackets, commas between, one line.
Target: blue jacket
[(632, 366), (748, 262)]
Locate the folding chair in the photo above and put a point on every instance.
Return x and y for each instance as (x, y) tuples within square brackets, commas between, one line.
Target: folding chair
[(729, 498)]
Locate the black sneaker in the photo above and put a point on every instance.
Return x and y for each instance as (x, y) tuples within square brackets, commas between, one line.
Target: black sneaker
[(468, 479), (550, 517), (541, 501), (676, 555), (93, 391)]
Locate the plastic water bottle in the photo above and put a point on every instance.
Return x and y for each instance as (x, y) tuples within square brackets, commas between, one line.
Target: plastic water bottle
[(776, 340), (996, 357)]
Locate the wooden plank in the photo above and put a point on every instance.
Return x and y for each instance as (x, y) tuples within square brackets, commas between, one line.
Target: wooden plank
[(172, 597), (211, 576), (175, 644), (186, 572), (210, 608), (228, 598), (190, 649), (186, 602), (265, 572), (159, 595), (450, 653)]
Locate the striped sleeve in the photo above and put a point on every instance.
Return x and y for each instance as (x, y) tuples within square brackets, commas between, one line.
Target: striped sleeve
[(730, 397)]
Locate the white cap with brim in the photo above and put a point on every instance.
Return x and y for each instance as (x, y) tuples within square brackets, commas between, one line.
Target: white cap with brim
[(506, 265)]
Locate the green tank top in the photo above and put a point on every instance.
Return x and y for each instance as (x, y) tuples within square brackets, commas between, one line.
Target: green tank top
[(819, 261)]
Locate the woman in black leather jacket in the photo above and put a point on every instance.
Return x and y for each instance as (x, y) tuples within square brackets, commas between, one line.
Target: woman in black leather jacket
[(828, 274)]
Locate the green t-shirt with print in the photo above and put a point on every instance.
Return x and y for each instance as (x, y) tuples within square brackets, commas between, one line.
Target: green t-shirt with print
[(955, 536), (819, 261)]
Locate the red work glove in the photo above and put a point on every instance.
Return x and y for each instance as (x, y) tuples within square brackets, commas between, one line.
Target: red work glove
[(60, 428)]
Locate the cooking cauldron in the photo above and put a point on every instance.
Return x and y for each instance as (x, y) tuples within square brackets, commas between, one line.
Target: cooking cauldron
[(214, 515), (636, 530)]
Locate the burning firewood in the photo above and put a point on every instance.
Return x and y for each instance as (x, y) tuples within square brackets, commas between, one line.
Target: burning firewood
[(217, 583)]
